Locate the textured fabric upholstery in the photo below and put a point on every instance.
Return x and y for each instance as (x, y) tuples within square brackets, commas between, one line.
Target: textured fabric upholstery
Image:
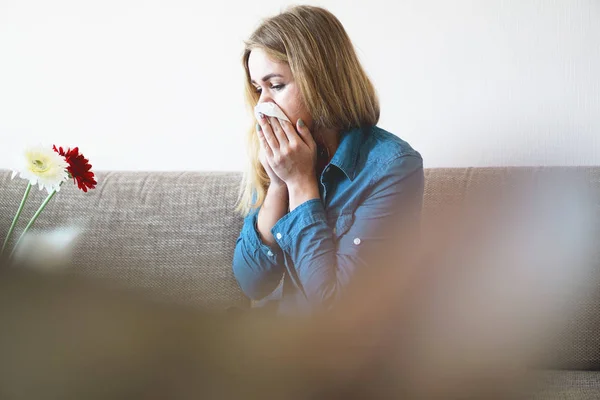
[(174, 234), (171, 233), (578, 346), (569, 385)]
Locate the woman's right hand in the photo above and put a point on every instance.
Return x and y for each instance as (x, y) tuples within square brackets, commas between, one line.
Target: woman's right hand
[(276, 182), (276, 202)]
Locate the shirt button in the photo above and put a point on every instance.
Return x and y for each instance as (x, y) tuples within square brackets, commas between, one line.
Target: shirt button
[(279, 236), (357, 241), (270, 253)]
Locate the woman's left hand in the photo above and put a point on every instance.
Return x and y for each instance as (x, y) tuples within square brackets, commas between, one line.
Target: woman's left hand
[(291, 151)]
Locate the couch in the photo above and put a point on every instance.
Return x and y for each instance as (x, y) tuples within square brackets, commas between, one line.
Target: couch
[(173, 234)]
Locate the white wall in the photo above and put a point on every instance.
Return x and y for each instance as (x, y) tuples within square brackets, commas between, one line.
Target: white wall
[(157, 85)]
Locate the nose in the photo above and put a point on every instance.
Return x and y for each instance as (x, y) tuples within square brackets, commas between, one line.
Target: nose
[(265, 98)]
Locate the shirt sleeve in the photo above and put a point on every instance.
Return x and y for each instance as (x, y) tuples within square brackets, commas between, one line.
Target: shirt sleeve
[(258, 268), (325, 266)]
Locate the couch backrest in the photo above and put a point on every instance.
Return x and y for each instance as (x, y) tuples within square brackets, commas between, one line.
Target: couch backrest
[(171, 233), (578, 345), (174, 234)]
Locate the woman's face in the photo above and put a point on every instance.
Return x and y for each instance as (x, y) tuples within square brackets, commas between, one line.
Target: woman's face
[(275, 83)]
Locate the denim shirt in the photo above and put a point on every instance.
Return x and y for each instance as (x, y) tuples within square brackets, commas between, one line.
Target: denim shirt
[(323, 243)]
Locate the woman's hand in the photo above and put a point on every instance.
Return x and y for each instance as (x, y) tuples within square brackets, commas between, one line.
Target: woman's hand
[(291, 153), (276, 181)]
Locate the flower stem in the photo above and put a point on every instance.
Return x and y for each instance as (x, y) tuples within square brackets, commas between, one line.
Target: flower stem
[(16, 218), (35, 216)]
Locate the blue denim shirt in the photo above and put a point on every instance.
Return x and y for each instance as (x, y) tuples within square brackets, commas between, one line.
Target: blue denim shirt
[(373, 177)]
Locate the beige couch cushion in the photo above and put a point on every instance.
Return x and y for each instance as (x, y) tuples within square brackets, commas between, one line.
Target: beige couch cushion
[(174, 234), (578, 345), (170, 233)]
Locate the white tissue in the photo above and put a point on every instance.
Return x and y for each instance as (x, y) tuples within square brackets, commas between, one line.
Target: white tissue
[(271, 110)]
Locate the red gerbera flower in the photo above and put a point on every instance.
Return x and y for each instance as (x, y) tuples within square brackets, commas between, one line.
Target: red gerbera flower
[(79, 168)]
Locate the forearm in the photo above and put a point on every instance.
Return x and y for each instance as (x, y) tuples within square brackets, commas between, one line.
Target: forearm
[(272, 210), (306, 237), (327, 257)]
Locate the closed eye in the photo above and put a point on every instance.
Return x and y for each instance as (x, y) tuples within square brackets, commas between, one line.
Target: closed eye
[(274, 87)]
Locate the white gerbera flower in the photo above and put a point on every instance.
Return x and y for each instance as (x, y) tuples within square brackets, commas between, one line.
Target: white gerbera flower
[(43, 167)]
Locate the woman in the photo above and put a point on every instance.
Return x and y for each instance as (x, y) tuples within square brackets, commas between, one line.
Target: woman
[(323, 190)]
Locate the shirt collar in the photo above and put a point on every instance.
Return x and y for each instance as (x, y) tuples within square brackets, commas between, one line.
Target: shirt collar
[(346, 155)]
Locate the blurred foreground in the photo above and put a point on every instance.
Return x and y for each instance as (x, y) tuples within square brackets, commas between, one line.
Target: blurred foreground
[(474, 316)]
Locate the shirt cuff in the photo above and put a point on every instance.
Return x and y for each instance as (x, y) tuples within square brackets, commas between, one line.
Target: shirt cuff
[(252, 236), (291, 224)]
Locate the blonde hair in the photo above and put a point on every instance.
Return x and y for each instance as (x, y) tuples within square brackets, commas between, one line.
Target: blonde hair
[(335, 88)]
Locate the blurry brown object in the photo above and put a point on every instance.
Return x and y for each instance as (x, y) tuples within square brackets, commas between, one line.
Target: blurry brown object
[(468, 319), (471, 317)]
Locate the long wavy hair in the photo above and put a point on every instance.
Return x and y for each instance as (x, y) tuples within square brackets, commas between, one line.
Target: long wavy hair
[(335, 89)]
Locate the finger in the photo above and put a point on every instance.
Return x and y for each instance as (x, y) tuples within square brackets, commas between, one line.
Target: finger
[(267, 131), (290, 131), (279, 132), (305, 133), (264, 145)]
